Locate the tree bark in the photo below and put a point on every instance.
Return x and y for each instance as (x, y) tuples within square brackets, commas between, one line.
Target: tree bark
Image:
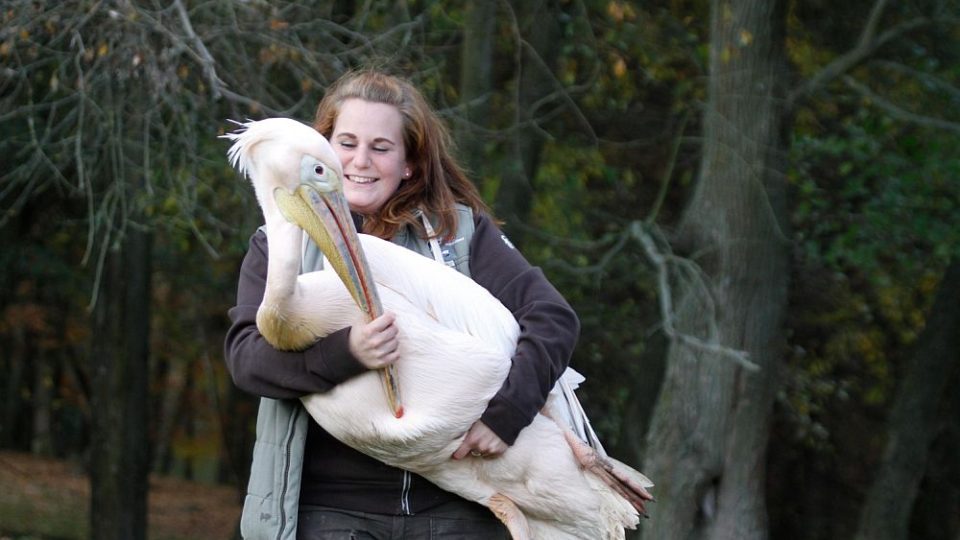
[(14, 368), (913, 421), (711, 424), (41, 442), (476, 83), (167, 413), (119, 445)]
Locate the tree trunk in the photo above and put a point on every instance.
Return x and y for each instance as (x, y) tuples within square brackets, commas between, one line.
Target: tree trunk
[(167, 413), (534, 80), (711, 424), (119, 446), (14, 367), (41, 442), (476, 84), (913, 421)]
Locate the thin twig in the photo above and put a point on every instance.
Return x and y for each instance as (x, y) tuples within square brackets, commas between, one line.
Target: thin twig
[(81, 110), (928, 79), (668, 174), (898, 112), (203, 55), (661, 264)]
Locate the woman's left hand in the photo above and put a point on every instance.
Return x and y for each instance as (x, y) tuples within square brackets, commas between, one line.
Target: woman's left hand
[(480, 442)]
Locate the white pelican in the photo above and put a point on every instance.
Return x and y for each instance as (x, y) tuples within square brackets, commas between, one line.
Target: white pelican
[(455, 351)]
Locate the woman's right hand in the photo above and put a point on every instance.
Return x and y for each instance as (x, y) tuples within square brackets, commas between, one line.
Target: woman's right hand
[(375, 344)]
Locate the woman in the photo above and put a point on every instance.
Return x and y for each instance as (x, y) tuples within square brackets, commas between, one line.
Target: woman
[(403, 185)]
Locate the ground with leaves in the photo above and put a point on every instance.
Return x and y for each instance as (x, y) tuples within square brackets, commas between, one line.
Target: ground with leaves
[(48, 499)]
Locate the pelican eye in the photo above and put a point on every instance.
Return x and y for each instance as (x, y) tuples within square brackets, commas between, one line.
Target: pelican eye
[(318, 169)]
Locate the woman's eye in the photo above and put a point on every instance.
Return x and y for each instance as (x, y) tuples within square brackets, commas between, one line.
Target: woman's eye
[(346, 144), (379, 149), (318, 170)]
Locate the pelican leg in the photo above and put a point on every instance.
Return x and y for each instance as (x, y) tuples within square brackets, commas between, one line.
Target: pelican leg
[(511, 516), (628, 483)]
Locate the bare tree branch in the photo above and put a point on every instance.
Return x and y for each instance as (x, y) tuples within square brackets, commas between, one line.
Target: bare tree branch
[(873, 21), (668, 268), (668, 174), (662, 264), (867, 44), (930, 80), (898, 112), (81, 109), (204, 57), (601, 265)]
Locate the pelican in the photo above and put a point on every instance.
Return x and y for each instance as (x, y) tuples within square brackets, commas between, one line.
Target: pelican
[(455, 348)]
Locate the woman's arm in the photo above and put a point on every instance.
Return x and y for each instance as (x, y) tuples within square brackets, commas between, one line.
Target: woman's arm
[(258, 368), (549, 329)]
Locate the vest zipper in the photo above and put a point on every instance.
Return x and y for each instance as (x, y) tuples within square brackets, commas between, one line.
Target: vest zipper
[(286, 472), (405, 494)]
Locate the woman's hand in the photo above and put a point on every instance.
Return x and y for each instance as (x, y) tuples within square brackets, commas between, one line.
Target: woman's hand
[(375, 344), (480, 441)]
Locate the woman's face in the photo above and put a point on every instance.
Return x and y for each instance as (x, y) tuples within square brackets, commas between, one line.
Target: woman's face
[(368, 137)]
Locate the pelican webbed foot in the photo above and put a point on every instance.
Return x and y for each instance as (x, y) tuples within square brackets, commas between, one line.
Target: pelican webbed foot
[(623, 479)]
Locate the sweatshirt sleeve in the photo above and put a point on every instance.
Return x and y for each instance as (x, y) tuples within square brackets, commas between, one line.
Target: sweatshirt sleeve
[(549, 329), (255, 366)]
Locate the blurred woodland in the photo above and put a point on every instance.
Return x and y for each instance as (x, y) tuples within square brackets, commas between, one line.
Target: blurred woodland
[(753, 205)]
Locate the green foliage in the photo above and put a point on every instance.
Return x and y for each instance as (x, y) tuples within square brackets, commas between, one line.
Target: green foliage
[(876, 194), (876, 208)]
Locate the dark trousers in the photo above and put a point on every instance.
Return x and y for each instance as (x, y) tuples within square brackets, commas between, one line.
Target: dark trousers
[(465, 521)]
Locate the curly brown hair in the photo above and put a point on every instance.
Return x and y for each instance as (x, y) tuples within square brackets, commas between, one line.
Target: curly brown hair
[(436, 181)]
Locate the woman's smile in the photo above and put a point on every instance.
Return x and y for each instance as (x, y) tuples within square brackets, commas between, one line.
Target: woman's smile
[(356, 179)]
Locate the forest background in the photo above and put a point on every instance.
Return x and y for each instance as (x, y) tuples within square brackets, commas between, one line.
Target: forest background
[(753, 205)]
